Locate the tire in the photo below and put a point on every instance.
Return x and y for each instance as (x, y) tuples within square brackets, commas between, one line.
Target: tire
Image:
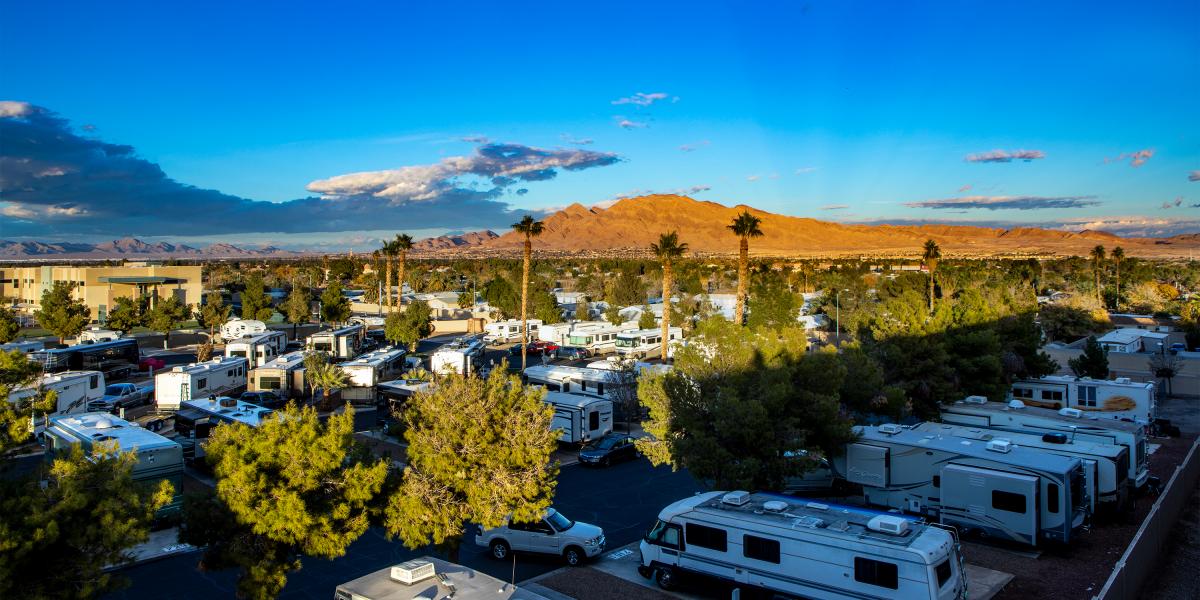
[(499, 549), (605, 462), (665, 578), (574, 556)]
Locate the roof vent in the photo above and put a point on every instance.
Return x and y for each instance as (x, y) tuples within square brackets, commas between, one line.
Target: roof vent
[(412, 571), (810, 522), (1002, 446), (1074, 413), (1016, 404), (889, 524), (1123, 380), (1054, 438), (975, 400), (227, 402), (177, 370), (738, 498), (775, 506), (103, 423), (817, 506), (890, 429)]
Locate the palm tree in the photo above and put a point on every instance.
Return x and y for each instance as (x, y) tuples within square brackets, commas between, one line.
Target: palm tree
[(388, 250), (668, 250), (402, 244), (1097, 264), (1118, 255), (931, 256), (328, 377), (530, 229), (745, 226)]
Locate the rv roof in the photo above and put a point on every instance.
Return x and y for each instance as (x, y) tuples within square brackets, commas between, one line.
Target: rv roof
[(98, 426), (1086, 421), (339, 331), (284, 361), (1019, 455), (243, 412), (569, 399), (1060, 379), (221, 362), (376, 357), (468, 585), (1029, 440), (251, 338), (567, 371), (641, 332)]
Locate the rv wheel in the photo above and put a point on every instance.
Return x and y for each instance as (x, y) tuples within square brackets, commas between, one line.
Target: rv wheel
[(499, 549), (666, 578), (573, 556)]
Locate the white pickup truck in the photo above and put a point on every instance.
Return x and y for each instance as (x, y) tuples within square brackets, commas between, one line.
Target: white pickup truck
[(122, 395)]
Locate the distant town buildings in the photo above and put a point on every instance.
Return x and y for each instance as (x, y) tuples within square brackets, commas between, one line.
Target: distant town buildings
[(98, 287)]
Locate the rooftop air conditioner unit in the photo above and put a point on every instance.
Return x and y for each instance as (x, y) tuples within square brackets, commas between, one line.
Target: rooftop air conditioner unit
[(227, 402), (412, 571), (1016, 404), (1074, 413), (889, 524), (975, 400), (890, 429), (1124, 380), (775, 506), (1054, 438), (1003, 446), (738, 498), (177, 370)]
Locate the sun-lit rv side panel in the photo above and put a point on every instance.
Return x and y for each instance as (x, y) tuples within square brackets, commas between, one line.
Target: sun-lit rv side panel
[(284, 376), (645, 342), (463, 356), (222, 376), (259, 349), (73, 389), (368, 371), (340, 344), (1119, 398)]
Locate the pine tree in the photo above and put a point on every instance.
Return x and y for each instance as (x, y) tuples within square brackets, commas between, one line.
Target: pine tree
[(126, 314), (335, 308), (214, 312), (256, 304), (296, 308), (647, 320), (9, 326), (1093, 362), (62, 314), (612, 314), (168, 313), (18, 371)]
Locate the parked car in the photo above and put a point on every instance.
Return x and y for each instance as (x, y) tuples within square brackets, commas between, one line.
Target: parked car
[(150, 363), (534, 349), (293, 346), (264, 399), (121, 395), (552, 534), (571, 352), (816, 478), (611, 448), (1178, 347)]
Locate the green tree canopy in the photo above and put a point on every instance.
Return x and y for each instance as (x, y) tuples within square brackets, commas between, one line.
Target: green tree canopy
[(582, 310), (9, 327), (61, 313), (628, 289), (126, 313), (256, 304), (410, 326), (772, 304), (502, 296), (296, 308), (335, 308), (466, 299), (612, 314), (18, 371), (168, 313), (1093, 362), (214, 312), (647, 320)]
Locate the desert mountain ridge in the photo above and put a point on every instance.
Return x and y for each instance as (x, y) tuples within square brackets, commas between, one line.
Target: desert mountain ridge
[(129, 247)]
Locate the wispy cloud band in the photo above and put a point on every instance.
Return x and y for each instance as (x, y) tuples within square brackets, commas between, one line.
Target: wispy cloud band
[(1006, 202), (1004, 156)]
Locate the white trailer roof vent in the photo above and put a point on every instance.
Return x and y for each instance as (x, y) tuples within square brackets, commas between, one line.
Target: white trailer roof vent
[(775, 506), (738, 498), (1016, 404), (975, 400), (817, 506), (103, 423), (177, 370), (889, 524), (412, 571), (1074, 413), (1002, 446), (1124, 380), (890, 429)]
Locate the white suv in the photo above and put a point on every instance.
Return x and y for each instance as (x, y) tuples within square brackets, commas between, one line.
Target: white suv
[(552, 534)]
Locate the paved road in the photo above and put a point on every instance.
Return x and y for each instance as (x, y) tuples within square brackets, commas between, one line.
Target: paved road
[(623, 499)]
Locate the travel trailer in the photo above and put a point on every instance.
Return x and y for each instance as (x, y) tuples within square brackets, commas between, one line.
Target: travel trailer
[(158, 458), (508, 331), (340, 344), (400, 390), (1119, 398), (557, 333), (464, 356), (284, 375), (222, 376), (976, 411), (1105, 466), (117, 359), (600, 383), (580, 418), (368, 371), (22, 347), (196, 418), (993, 488), (368, 322), (792, 546), (96, 335), (240, 328), (596, 340), (645, 342), (259, 348), (75, 390)]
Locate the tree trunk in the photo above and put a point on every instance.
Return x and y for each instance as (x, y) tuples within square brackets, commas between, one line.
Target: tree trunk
[(931, 290), (386, 300), (666, 318), (1117, 303), (739, 314), (400, 279), (525, 299)]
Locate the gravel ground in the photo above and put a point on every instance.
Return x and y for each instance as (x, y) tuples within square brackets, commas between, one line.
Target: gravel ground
[(589, 584), (1175, 579)]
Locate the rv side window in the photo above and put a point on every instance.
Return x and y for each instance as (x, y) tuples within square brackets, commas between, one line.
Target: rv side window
[(1008, 501), (201, 383), (760, 548), (1087, 395), (553, 387), (594, 420), (600, 388), (1023, 392), (94, 381), (874, 572), (706, 537), (943, 572), (1052, 498), (1052, 395), (937, 481)]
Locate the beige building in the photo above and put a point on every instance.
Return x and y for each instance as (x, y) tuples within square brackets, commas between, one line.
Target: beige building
[(99, 286)]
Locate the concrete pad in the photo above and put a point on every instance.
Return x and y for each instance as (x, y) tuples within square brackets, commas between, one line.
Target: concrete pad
[(542, 590), (984, 583), (623, 563)]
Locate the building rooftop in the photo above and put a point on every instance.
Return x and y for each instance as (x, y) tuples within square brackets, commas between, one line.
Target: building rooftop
[(455, 581)]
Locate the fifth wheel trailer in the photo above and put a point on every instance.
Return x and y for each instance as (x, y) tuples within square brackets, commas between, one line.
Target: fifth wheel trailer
[(259, 348), (368, 371), (1119, 398), (284, 376), (580, 418), (74, 391), (992, 488), (341, 344), (222, 376)]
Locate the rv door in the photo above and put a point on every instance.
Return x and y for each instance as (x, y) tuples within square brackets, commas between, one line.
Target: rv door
[(867, 465), (1003, 504)]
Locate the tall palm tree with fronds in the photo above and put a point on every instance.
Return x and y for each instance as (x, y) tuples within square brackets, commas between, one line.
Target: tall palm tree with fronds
[(668, 250), (402, 244), (1097, 265), (388, 250), (931, 255), (1118, 255), (745, 226), (328, 377), (529, 228)]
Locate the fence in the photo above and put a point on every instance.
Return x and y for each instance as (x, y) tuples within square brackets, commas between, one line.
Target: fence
[(1141, 557)]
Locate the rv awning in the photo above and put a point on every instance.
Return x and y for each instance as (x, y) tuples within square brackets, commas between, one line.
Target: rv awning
[(141, 280)]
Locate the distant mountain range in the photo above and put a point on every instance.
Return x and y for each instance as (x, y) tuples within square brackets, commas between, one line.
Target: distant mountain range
[(444, 242), (129, 248)]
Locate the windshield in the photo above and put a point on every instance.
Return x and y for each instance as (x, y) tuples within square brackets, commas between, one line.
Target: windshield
[(627, 342), (602, 444), (112, 390), (241, 353), (559, 522)]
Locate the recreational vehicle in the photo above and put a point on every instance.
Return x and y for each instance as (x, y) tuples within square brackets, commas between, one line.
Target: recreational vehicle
[(976, 411), (368, 371), (600, 383), (645, 342), (400, 390), (196, 418), (259, 348), (224, 376), (340, 344), (1105, 466), (797, 547), (368, 322), (158, 458), (96, 335), (74, 389), (116, 359), (22, 347), (240, 328), (596, 340), (508, 331), (464, 356), (580, 418), (1118, 398), (993, 488), (284, 376)]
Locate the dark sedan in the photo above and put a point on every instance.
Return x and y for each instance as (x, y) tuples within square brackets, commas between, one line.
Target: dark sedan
[(607, 450)]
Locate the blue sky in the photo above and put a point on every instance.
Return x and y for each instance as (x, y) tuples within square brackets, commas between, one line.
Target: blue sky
[(851, 111)]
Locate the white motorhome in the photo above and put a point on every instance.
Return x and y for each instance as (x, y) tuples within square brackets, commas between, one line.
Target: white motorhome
[(508, 331), (1119, 398), (976, 411), (259, 348), (464, 356), (239, 328), (555, 333), (196, 419), (645, 342), (580, 418), (1105, 466), (596, 340), (284, 375), (95, 335), (793, 546), (223, 376), (991, 487), (341, 344), (369, 370), (75, 389), (600, 383)]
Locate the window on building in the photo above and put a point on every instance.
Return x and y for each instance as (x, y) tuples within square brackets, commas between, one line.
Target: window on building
[(706, 537), (1009, 501), (758, 548), (876, 572), (1087, 395)]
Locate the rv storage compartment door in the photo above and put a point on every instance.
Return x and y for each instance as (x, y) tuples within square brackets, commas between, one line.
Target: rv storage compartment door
[(1004, 504), (867, 465)]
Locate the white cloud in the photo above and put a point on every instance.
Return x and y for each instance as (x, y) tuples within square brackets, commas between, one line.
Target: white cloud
[(1136, 159), (11, 109), (803, 170), (643, 99), (753, 177), (624, 123)]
